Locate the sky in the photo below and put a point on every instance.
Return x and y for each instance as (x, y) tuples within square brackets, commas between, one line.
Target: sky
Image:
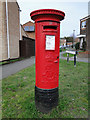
[(74, 11)]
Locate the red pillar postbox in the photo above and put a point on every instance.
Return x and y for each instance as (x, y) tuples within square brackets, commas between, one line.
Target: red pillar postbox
[(47, 32)]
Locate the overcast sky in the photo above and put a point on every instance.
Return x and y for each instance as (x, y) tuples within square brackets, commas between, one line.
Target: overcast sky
[(74, 11)]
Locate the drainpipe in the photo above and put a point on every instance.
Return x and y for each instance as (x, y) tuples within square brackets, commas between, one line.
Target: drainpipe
[(7, 30), (20, 24)]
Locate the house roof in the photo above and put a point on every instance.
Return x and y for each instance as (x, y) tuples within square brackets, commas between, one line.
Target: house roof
[(28, 22), (87, 17)]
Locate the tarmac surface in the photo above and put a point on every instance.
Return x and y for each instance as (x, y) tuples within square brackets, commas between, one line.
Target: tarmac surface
[(12, 68)]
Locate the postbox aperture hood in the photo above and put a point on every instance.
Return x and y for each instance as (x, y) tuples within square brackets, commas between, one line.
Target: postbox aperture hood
[(45, 14)]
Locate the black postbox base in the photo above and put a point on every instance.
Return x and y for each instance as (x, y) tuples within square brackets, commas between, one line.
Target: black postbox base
[(46, 99)]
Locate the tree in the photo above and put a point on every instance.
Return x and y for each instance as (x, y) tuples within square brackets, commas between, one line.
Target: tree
[(77, 46), (69, 39)]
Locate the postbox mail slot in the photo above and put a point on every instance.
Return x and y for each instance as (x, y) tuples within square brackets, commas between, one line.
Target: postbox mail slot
[(49, 27)]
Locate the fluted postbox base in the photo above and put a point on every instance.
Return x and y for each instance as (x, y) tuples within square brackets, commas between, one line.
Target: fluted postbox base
[(46, 99)]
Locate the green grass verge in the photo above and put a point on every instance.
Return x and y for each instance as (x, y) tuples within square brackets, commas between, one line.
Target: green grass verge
[(18, 93), (63, 50), (81, 51), (2, 63), (65, 55), (10, 61)]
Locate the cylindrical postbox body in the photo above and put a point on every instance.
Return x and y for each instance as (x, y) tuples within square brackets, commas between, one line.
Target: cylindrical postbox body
[(47, 32)]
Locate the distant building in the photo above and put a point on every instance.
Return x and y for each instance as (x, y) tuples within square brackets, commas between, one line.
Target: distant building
[(76, 40), (29, 28), (23, 33), (27, 42), (62, 41), (84, 31), (69, 43)]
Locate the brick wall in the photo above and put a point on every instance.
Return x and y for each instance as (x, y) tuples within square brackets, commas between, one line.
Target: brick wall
[(14, 34), (86, 31), (23, 33), (88, 34), (4, 33), (31, 35), (14, 29), (0, 31)]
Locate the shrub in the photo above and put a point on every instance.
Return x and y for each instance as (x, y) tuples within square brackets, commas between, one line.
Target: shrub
[(84, 45), (77, 46), (60, 49)]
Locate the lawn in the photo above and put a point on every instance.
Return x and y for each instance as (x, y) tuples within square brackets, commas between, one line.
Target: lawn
[(70, 55), (63, 50), (18, 93)]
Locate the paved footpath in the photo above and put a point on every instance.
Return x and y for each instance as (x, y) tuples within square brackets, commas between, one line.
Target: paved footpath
[(87, 60), (12, 68)]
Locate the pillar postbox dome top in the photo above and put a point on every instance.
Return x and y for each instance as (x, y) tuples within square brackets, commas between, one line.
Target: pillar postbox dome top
[(47, 14)]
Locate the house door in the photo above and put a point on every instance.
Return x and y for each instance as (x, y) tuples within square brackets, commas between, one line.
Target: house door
[(81, 42)]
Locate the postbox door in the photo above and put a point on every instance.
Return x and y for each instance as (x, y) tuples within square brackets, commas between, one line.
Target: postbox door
[(47, 76)]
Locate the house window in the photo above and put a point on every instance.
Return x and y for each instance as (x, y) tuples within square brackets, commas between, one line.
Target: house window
[(83, 24), (32, 28), (29, 28), (26, 28)]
